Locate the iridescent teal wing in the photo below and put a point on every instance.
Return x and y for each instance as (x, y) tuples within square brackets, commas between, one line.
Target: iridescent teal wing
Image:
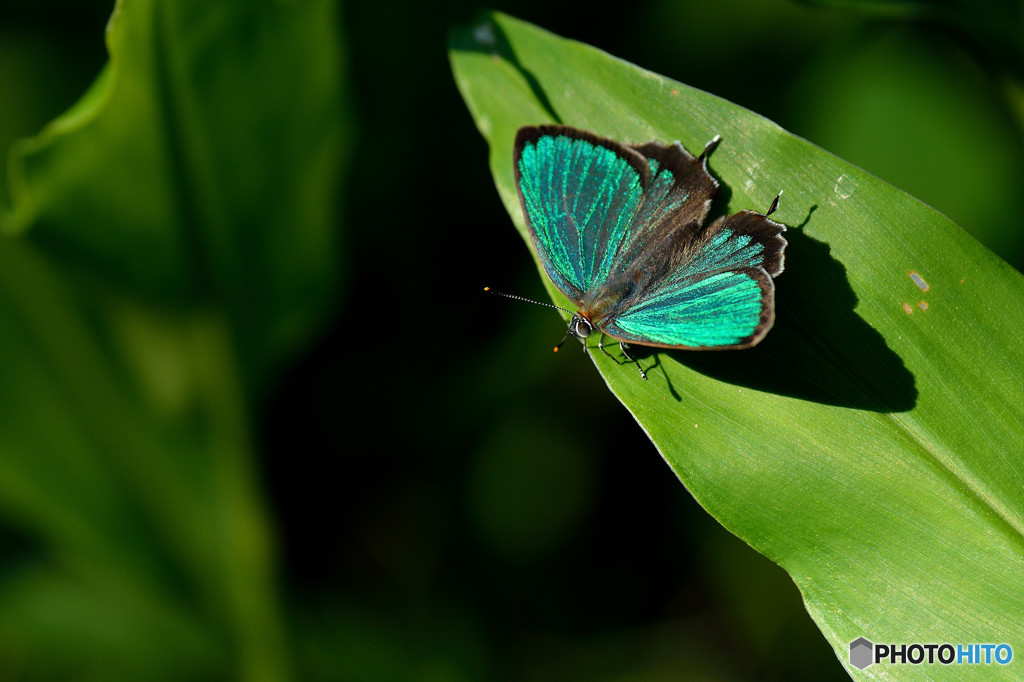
[(591, 204), (712, 290)]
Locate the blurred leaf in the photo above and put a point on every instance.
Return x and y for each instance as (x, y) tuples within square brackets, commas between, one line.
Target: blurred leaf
[(198, 166), (871, 445), (883, 99), (991, 29), (176, 243)]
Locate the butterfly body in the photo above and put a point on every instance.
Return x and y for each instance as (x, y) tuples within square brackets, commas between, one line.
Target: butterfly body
[(619, 230)]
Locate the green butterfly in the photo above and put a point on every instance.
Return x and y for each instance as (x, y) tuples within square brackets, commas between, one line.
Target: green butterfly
[(618, 229)]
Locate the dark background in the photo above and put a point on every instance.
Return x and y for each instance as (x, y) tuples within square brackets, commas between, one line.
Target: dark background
[(477, 507)]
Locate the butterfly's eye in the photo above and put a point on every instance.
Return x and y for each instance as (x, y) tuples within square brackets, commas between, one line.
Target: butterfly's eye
[(580, 326)]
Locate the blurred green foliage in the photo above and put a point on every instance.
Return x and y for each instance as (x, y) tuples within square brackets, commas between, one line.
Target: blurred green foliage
[(195, 483), (172, 242)]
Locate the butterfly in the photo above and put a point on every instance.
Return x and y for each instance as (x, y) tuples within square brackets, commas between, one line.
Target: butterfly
[(619, 231)]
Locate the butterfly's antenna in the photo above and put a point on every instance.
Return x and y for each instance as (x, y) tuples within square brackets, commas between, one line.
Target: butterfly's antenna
[(530, 300), (775, 204), (523, 298)]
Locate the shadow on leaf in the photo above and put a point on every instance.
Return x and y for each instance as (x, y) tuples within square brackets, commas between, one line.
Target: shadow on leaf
[(820, 349), (487, 37)]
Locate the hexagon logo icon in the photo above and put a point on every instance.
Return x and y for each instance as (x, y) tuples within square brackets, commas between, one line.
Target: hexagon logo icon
[(862, 653)]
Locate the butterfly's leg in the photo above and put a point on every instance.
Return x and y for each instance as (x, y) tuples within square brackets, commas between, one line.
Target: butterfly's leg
[(600, 344), (625, 352)]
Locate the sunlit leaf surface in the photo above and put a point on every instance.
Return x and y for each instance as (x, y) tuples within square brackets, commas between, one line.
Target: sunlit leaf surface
[(872, 444)]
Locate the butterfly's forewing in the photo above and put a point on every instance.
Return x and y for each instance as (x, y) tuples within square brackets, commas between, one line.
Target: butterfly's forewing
[(580, 194), (715, 292), (678, 197)]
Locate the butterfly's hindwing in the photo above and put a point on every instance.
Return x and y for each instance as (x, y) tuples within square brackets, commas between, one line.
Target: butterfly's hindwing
[(715, 292), (726, 309)]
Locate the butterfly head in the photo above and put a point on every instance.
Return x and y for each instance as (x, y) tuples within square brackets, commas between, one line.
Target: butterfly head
[(580, 326)]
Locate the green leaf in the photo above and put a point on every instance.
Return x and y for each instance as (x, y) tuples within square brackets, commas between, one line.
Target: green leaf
[(173, 242), (872, 444)]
